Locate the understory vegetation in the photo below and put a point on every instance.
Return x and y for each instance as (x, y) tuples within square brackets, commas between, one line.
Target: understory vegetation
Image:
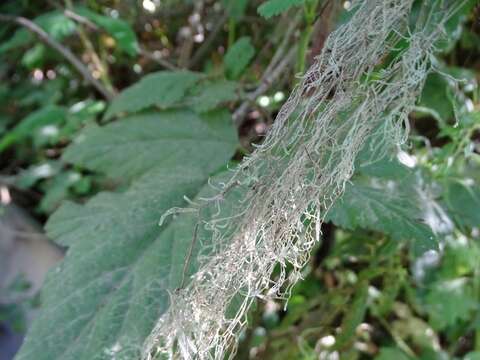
[(246, 179)]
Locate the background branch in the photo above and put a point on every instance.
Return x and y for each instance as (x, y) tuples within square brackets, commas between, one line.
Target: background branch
[(268, 78), (65, 52)]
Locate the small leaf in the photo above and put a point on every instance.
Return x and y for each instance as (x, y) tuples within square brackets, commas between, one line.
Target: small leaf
[(435, 99), (55, 23), (449, 302), (236, 8), (463, 203), (475, 355), (163, 89), (46, 116), (392, 353), (274, 7), (354, 316), (238, 57), (118, 28), (208, 95)]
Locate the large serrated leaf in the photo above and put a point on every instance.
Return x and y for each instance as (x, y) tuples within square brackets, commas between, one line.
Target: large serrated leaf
[(128, 148), (162, 89), (381, 209), (104, 298)]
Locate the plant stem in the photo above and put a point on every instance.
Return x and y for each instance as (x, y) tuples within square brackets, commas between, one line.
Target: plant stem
[(309, 11), (100, 65), (231, 31)]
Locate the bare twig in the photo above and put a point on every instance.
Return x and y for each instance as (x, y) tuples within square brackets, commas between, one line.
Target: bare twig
[(209, 42), (80, 19), (65, 52), (189, 256), (100, 65), (150, 55), (282, 48), (155, 58), (274, 70), (267, 80)]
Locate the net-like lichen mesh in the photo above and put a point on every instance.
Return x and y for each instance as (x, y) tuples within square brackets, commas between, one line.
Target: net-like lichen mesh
[(297, 173)]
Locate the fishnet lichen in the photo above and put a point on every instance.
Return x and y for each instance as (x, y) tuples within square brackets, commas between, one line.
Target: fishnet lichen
[(361, 83)]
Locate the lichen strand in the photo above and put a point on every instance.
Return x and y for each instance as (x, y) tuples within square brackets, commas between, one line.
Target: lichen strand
[(296, 175)]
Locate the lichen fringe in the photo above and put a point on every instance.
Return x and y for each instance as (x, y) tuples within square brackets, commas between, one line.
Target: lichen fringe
[(297, 173)]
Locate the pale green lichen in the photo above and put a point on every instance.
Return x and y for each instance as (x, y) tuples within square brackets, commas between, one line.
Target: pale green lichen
[(295, 176)]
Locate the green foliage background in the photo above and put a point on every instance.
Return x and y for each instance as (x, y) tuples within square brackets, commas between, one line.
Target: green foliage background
[(397, 274)]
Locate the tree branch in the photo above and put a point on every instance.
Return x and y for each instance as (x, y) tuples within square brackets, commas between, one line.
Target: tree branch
[(209, 42), (65, 52), (267, 80), (153, 57), (142, 50)]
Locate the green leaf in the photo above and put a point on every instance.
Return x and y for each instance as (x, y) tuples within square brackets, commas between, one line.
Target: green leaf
[(385, 210), (238, 57), (118, 28), (208, 95), (392, 353), (449, 302), (128, 148), (163, 89), (30, 176), (105, 297), (454, 26), (34, 57), (475, 355), (236, 8), (46, 116), (463, 203), (57, 190), (274, 7), (112, 286), (20, 38), (55, 23), (383, 168), (435, 99), (354, 316)]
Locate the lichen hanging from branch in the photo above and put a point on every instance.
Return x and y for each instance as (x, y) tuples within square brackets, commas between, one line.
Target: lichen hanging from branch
[(295, 176)]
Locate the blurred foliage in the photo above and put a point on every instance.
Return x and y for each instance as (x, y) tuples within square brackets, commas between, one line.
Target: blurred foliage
[(397, 275)]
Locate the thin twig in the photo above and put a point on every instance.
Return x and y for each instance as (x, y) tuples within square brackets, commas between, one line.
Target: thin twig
[(267, 80), (154, 57), (100, 65), (208, 43), (150, 55), (65, 52), (80, 19), (282, 48), (272, 72), (188, 258)]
